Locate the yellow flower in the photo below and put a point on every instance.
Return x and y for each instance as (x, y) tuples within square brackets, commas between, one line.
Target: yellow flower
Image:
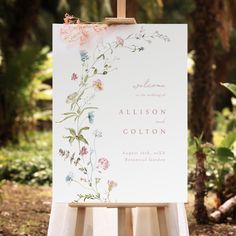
[(97, 84)]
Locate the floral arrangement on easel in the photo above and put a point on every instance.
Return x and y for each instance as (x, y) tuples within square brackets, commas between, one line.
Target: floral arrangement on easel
[(88, 82)]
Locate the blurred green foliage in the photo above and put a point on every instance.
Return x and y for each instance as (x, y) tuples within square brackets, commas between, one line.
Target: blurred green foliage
[(32, 67), (28, 162), (221, 156)]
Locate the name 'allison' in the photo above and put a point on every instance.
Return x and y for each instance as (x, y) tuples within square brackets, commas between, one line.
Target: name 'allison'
[(142, 111)]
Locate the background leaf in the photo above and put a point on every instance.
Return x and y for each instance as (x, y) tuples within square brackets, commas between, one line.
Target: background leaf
[(229, 140), (230, 87), (224, 154)]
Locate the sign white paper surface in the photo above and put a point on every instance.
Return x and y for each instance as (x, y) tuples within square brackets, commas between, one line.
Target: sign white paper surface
[(120, 113)]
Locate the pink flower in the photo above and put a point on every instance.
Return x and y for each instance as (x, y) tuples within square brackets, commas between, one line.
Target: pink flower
[(68, 19), (74, 33), (83, 151), (99, 28), (97, 84), (83, 39), (103, 163), (119, 41), (73, 30), (84, 34), (74, 76), (70, 33)]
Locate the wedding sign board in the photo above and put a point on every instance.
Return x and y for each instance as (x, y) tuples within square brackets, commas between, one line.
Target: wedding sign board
[(120, 113)]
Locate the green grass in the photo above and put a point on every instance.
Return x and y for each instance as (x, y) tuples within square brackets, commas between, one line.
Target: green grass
[(28, 162)]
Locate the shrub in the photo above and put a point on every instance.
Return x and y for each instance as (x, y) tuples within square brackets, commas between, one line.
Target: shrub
[(28, 162)]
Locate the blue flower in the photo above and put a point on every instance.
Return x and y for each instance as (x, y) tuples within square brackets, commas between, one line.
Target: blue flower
[(91, 117), (69, 178), (84, 55)]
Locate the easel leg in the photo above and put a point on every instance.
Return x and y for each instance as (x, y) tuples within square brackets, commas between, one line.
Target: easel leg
[(125, 227), (79, 228), (129, 222), (121, 222), (162, 221)]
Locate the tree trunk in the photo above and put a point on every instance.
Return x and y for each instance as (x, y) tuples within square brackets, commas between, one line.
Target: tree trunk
[(202, 97), (7, 122), (200, 212)]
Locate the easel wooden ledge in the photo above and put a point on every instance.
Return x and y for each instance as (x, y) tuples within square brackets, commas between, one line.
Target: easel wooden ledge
[(125, 224)]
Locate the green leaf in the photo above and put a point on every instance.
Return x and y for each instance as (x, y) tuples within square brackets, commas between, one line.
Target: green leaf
[(102, 55), (224, 153), (69, 113), (229, 140), (86, 78), (84, 128), (231, 87), (72, 105), (71, 140), (66, 118), (44, 95), (79, 97), (234, 167), (86, 108), (198, 142), (72, 131), (81, 138), (95, 71)]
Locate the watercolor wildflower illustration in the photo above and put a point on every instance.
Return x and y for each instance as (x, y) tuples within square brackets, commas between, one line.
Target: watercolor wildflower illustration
[(89, 81)]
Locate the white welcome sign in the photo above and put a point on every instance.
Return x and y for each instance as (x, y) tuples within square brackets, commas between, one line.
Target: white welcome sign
[(120, 113)]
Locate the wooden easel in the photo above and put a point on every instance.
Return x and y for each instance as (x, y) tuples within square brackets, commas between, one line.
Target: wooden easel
[(121, 15), (125, 224)]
